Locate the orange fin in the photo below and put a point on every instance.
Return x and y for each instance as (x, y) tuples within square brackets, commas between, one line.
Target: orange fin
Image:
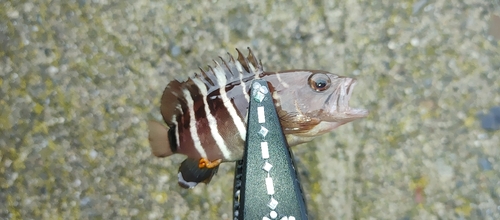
[(159, 139), (205, 163)]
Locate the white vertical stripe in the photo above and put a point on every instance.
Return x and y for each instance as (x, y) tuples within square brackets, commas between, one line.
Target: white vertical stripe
[(174, 120), (212, 122), (240, 70), (179, 107), (239, 67), (246, 116), (221, 79), (252, 68), (192, 124), (244, 88)]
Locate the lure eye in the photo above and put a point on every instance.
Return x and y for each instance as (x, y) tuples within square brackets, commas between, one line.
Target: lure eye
[(319, 82)]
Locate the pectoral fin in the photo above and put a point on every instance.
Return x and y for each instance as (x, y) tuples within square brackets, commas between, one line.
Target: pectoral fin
[(190, 174)]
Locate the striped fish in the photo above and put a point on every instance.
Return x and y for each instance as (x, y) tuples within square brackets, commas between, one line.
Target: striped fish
[(206, 114)]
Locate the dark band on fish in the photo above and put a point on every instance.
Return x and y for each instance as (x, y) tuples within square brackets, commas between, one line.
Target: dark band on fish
[(173, 139)]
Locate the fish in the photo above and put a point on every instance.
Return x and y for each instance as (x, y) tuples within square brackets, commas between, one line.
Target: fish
[(206, 114)]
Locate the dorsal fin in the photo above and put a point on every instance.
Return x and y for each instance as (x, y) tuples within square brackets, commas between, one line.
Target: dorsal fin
[(231, 69), (173, 102)]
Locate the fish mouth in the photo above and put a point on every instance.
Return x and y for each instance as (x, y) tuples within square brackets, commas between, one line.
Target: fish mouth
[(339, 102)]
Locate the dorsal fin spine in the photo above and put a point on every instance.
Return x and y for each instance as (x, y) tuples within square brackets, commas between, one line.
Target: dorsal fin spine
[(206, 78), (218, 67), (239, 67), (227, 66), (242, 60), (251, 57)]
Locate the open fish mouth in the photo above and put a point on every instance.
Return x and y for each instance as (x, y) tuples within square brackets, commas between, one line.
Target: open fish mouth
[(340, 108)]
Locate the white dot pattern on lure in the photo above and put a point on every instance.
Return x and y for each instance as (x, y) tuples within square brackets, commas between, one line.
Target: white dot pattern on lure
[(258, 94)]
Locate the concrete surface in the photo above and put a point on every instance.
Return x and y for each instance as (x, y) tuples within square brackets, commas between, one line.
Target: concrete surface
[(80, 78)]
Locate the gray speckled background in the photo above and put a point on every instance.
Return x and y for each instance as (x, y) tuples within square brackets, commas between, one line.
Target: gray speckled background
[(80, 78)]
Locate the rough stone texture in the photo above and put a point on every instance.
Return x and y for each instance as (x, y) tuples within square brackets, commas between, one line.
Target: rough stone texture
[(80, 78)]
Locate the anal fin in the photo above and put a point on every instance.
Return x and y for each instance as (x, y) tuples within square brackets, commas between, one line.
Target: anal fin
[(190, 174)]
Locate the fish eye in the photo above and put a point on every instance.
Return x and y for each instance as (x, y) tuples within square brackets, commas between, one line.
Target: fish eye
[(319, 82)]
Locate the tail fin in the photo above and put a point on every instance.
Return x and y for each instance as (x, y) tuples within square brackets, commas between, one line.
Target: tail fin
[(158, 139)]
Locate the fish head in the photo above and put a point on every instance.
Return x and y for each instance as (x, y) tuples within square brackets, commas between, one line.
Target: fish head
[(313, 102)]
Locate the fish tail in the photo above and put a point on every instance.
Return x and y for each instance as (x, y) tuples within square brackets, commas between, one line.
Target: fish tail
[(159, 139)]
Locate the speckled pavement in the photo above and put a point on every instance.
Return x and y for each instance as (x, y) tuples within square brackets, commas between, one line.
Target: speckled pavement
[(79, 79)]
